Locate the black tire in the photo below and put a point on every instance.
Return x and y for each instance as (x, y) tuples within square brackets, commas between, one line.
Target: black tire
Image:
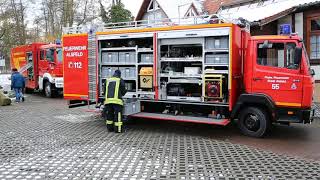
[(254, 122), (48, 90), (28, 91)]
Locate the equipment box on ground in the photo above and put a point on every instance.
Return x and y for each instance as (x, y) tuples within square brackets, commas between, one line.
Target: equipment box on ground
[(131, 106)]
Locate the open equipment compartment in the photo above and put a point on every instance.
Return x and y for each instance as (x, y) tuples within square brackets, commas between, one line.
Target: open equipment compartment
[(181, 63), (189, 71), (216, 69), (194, 69), (128, 53)]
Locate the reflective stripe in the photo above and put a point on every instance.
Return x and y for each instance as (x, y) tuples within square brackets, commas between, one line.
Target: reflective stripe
[(115, 99), (119, 123), (108, 122), (116, 89)]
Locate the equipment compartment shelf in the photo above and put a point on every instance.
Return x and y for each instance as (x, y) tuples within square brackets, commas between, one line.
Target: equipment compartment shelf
[(209, 64), (145, 51), (181, 59), (216, 50), (130, 95), (125, 79), (144, 64), (118, 64), (185, 98), (213, 71), (119, 49), (184, 81), (181, 75)]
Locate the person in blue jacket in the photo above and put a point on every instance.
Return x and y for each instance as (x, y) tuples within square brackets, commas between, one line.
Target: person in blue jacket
[(17, 84)]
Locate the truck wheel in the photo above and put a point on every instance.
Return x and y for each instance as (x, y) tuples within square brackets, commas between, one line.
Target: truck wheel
[(28, 91), (253, 122), (48, 89)]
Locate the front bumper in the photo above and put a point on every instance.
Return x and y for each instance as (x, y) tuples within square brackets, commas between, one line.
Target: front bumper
[(58, 82), (305, 116)]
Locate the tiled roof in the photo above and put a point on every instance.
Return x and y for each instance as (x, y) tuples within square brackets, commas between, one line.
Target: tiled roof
[(263, 11)]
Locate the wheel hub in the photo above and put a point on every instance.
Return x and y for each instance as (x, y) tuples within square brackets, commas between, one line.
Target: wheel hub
[(252, 122)]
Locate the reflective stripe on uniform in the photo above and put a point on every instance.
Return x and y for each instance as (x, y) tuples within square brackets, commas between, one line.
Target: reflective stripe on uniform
[(115, 99), (119, 123), (109, 122)]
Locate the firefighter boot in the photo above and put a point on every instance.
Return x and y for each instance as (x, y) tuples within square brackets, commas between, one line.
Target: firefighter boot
[(109, 124)]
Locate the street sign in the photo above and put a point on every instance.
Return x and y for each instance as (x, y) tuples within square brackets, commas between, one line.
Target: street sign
[(2, 62)]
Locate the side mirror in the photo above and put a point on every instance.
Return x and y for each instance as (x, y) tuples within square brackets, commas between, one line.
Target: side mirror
[(298, 55), (312, 72)]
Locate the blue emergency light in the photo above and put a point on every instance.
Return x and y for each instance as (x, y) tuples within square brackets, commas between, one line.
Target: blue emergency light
[(58, 42), (285, 29)]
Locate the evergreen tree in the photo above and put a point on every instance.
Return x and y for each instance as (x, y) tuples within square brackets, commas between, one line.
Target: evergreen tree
[(116, 13)]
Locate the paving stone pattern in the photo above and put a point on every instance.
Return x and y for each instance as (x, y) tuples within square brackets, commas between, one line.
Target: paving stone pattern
[(317, 110), (41, 139)]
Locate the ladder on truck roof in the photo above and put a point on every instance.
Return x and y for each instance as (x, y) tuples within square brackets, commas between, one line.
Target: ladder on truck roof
[(203, 19), (25, 67)]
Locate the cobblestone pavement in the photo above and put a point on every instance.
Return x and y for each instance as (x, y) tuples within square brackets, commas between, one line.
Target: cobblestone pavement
[(317, 110), (41, 139)]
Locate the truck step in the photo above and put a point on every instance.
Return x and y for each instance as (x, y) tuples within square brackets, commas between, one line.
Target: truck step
[(201, 120)]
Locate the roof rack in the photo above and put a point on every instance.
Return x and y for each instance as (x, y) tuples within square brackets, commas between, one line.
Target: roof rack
[(204, 19)]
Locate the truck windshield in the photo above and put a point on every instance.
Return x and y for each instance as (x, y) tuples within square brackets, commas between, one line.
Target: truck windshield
[(49, 55), (59, 54)]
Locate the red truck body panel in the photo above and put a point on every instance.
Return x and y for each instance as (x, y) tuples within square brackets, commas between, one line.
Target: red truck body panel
[(286, 87), (75, 58), (19, 59), (55, 68)]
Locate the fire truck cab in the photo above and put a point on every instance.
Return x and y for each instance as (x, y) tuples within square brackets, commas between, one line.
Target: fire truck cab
[(202, 73), (41, 64)]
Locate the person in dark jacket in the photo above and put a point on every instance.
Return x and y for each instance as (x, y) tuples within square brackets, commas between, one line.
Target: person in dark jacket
[(115, 89), (17, 84)]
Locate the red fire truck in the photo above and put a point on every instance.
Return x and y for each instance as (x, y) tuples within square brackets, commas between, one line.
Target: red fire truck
[(201, 73), (41, 64)]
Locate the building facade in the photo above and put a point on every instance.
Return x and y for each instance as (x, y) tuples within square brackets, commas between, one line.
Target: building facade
[(157, 11)]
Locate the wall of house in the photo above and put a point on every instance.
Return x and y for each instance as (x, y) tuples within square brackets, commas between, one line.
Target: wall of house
[(284, 20), (296, 22), (156, 15), (268, 29), (299, 24), (313, 11)]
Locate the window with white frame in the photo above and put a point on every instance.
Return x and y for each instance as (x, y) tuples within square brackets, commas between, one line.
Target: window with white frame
[(190, 13), (314, 30), (153, 5)]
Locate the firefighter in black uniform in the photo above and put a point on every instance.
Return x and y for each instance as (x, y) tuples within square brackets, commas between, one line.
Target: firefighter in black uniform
[(115, 89)]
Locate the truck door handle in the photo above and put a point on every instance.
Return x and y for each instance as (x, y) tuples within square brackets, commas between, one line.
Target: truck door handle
[(257, 79), (296, 80)]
